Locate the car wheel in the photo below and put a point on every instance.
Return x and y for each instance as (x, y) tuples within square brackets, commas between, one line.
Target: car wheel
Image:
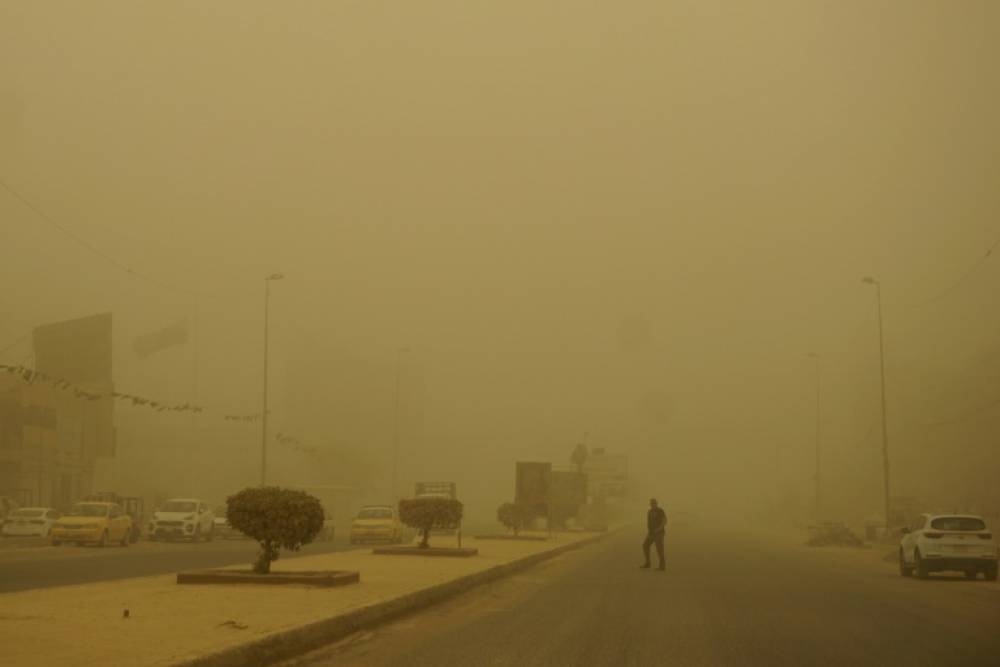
[(970, 574), (209, 536), (922, 570), (197, 534), (56, 543), (104, 540), (904, 569), (990, 574), (125, 538)]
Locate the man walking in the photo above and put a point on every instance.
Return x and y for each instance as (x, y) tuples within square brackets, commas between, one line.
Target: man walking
[(656, 524)]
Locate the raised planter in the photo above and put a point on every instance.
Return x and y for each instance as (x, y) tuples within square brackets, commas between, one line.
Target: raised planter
[(430, 551), (520, 538), (327, 578)]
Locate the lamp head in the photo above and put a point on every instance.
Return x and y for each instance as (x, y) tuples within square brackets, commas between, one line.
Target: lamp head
[(275, 276)]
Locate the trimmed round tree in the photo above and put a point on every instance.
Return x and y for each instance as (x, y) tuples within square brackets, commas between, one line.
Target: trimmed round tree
[(425, 514), (513, 516), (277, 518)]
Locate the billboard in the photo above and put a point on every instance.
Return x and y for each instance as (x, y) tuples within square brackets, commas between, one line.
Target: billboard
[(75, 350), (531, 486)]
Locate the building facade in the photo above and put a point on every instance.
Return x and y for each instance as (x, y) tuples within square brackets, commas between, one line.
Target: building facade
[(57, 424)]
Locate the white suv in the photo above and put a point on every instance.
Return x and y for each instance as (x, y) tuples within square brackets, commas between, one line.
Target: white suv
[(937, 542), (185, 518)]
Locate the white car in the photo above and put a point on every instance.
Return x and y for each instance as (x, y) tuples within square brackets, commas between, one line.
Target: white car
[(939, 542), (223, 530), (27, 521), (183, 518)]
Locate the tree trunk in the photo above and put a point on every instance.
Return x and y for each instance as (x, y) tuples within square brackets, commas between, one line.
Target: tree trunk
[(264, 558), (427, 536)]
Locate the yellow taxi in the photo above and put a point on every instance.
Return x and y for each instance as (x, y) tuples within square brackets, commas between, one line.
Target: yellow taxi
[(376, 523), (96, 522)]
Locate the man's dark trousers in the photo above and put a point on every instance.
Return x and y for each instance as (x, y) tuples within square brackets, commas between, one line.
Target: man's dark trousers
[(651, 539)]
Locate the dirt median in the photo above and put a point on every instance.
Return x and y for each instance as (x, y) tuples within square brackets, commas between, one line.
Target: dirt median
[(219, 625)]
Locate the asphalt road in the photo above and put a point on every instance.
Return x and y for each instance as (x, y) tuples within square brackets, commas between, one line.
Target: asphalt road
[(36, 567), (726, 599)]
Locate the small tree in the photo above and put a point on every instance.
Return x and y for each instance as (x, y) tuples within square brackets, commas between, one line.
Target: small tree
[(514, 516), (275, 517), (425, 514)]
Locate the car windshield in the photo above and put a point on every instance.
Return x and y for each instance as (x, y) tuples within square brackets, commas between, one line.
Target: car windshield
[(28, 512), (375, 513), (178, 506), (958, 523), (84, 509)]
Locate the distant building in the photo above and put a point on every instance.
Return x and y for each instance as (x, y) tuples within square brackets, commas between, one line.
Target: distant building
[(51, 439)]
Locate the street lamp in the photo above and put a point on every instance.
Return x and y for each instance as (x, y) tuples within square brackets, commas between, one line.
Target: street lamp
[(868, 280), (263, 411), (395, 425), (817, 500)]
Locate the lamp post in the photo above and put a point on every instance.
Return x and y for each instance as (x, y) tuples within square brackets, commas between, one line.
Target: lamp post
[(395, 425), (885, 433), (817, 501), (263, 410)]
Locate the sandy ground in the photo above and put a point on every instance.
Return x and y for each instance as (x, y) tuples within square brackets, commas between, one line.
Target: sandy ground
[(167, 623)]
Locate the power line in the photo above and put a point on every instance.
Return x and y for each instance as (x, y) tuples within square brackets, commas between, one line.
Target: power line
[(962, 279), (79, 240)]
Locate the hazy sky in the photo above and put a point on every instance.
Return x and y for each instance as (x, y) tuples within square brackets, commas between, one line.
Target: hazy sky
[(629, 218)]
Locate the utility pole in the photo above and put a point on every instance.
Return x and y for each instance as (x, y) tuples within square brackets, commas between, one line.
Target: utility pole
[(817, 501), (263, 411), (395, 426), (885, 432)]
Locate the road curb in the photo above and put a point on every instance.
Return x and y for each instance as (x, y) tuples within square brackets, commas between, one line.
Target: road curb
[(325, 579), (296, 641)]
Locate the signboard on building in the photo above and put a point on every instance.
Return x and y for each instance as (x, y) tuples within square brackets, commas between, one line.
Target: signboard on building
[(607, 474)]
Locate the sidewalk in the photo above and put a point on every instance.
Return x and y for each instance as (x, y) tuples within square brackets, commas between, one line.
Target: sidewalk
[(172, 624)]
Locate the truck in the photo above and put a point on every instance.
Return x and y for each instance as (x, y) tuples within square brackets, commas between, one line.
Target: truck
[(436, 490)]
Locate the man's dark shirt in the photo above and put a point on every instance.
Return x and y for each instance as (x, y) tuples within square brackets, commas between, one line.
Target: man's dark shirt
[(656, 520)]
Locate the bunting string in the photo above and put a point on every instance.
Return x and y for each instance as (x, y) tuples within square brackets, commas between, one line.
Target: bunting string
[(31, 376)]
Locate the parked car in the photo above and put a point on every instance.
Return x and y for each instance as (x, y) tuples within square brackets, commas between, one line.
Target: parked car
[(99, 523), (29, 521), (376, 523), (222, 528), (7, 505), (184, 518), (941, 542), (131, 505)]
